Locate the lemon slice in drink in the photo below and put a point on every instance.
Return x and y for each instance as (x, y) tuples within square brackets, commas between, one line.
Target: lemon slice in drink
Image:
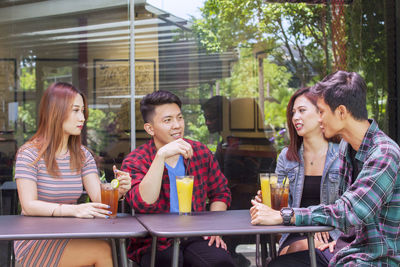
[(273, 179), (115, 183)]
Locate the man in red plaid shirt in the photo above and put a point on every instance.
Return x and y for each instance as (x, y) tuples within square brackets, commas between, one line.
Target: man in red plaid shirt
[(153, 167)]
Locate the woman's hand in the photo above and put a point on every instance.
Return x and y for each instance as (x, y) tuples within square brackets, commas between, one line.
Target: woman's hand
[(262, 214), (124, 181), (90, 210), (331, 245), (258, 197), (321, 237)]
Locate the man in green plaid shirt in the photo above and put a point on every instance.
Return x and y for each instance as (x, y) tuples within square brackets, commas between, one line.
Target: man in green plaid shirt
[(368, 211)]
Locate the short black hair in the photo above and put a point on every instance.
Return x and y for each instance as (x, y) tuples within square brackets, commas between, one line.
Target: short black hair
[(157, 98), (212, 103), (344, 88), (212, 109)]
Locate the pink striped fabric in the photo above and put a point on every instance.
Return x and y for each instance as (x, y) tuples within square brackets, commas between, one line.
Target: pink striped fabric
[(65, 189)]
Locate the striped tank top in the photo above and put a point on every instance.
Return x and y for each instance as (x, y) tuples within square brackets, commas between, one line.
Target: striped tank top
[(65, 189)]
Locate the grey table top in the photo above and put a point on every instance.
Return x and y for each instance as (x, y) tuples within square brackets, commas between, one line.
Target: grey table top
[(231, 222), (19, 227)]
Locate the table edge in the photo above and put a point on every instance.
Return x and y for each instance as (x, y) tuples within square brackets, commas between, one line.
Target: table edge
[(315, 229)]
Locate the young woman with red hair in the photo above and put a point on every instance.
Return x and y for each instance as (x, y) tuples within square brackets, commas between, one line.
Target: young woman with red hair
[(50, 171)]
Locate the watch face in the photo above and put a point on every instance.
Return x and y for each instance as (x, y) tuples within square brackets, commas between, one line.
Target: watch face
[(287, 212)]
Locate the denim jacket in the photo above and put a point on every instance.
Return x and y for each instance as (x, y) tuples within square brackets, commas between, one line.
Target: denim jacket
[(295, 173)]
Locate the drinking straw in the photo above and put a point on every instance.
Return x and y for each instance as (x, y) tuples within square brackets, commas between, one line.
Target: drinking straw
[(282, 189), (115, 164), (187, 167)]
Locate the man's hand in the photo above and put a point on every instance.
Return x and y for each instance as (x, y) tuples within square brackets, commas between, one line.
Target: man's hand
[(330, 245), (124, 181), (176, 147), (262, 214), (218, 241)]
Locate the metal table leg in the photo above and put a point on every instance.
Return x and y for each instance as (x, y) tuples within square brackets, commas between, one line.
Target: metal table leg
[(311, 249), (153, 252), (114, 252), (122, 251), (175, 254), (12, 254), (264, 251), (258, 257), (272, 244)]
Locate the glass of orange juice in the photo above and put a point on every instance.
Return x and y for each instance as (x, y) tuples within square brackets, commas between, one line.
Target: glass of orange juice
[(184, 186), (109, 196), (265, 189)]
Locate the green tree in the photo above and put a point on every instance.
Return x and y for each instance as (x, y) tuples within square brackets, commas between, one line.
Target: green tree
[(27, 110), (27, 79), (295, 35), (101, 126), (244, 83), (196, 127), (366, 53)]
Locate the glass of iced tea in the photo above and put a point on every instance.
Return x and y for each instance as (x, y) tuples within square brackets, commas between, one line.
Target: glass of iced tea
[(109, 196), (184, 186), (279, 195)]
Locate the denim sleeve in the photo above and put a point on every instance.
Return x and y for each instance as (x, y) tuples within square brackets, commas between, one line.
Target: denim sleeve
[(280, 169)]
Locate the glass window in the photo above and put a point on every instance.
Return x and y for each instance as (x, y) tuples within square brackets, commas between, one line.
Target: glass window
[(43, 42), (234, 64)]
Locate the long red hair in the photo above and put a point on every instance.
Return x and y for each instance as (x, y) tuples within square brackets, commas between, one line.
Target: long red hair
[(55, 107)]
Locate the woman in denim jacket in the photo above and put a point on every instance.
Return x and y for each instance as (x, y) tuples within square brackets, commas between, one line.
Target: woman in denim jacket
[(328, 194), (311, 164)]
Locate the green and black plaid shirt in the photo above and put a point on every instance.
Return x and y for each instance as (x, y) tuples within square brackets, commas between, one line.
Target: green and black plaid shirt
[(370, 205)]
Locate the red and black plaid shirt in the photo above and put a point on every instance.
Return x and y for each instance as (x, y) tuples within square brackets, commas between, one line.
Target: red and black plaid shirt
[(209, 182)]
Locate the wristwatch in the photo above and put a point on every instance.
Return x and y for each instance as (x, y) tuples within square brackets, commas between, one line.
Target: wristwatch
[(287, 214)]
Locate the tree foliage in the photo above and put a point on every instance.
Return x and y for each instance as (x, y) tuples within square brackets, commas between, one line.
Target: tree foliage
[(298, 36), (194, 117), (295, 35), (366, 53), (244, 83), (27, 79), (101, 129)]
